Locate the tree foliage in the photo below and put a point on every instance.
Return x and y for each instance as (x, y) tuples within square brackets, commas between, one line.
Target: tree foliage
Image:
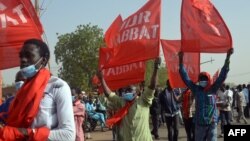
[(78, 53), (162, 74)]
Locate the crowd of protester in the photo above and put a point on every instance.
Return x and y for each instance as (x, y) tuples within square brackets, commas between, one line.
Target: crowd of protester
[(48, 109)]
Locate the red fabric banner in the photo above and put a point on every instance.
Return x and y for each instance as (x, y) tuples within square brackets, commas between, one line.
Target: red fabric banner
[(191, 61), (203, 28), (216, 75), (138, 37), (111, 33), (18, 22), (1, 88), (120, 76)]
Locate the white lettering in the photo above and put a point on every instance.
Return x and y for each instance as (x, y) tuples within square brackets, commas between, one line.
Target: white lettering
[(19, 12), (111, 71), (125, 36), (118, 70), (147, 16), (237, 131), (13, 21), (133, 22), (133, 33), (190, 69), (144, 33), (2, 6), (122, 69), (5, 18), (140, 18), (137, 33), (123, 25), (231, 132), (175, 68), (143, 17), (155, 29), (243, 131)]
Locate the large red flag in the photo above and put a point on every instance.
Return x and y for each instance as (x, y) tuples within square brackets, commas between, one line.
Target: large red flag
[(138, 37), (216, 75), (203, 29), (1, 88), (18, 22), (191, 61), (120, 76), (111, 33)]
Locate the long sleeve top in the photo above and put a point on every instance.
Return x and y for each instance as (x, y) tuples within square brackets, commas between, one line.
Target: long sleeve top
[(56, 111), (206, 109), (169, 104), (135, 125)]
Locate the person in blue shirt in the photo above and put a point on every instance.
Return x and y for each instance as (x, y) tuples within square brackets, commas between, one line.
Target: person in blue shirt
[(91, 111), (170, 107), (4, 107), (205, 96)]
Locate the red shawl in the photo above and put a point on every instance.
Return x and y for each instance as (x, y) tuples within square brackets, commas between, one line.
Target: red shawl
[(119, 115), (25, 106)]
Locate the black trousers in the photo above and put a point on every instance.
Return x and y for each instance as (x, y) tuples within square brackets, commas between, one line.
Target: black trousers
[(246, 111), (225, 119), (155, 122), (172, 125), (190, 128)]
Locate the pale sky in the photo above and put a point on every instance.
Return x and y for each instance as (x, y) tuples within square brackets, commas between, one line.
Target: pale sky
[(62, 16)]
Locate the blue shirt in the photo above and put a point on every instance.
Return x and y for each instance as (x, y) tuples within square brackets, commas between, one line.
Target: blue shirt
[(90, 108), (4, 108), (206, 109), (246, 94), (168, 103)]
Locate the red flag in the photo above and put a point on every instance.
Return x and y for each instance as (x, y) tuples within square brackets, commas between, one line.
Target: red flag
[(138, 37), (120, 76), (95, 80), (1, 88), (203, 29), (112, 31), (18, 22), (216, 75), (191, 62)]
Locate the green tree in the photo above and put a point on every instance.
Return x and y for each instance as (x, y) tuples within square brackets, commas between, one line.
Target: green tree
[(78, 53), (162, 74)]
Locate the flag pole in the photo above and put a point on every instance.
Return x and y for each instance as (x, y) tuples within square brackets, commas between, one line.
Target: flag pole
[(37, 8)]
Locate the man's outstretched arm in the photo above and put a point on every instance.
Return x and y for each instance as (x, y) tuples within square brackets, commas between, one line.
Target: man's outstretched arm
[(104, 85)]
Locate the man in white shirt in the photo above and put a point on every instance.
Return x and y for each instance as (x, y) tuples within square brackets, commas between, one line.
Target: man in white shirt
[(42, 108), (225, 96), (229, 94)]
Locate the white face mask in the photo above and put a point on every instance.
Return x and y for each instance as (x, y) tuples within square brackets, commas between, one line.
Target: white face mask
[(203, 83), (128, 96), (30, 70), (19, 84)]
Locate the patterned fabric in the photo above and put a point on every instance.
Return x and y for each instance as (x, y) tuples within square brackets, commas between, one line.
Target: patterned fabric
[(206, 110), (188, 105)]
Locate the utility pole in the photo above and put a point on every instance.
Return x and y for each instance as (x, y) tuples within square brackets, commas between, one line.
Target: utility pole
[(37, 8), (207, 61)]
